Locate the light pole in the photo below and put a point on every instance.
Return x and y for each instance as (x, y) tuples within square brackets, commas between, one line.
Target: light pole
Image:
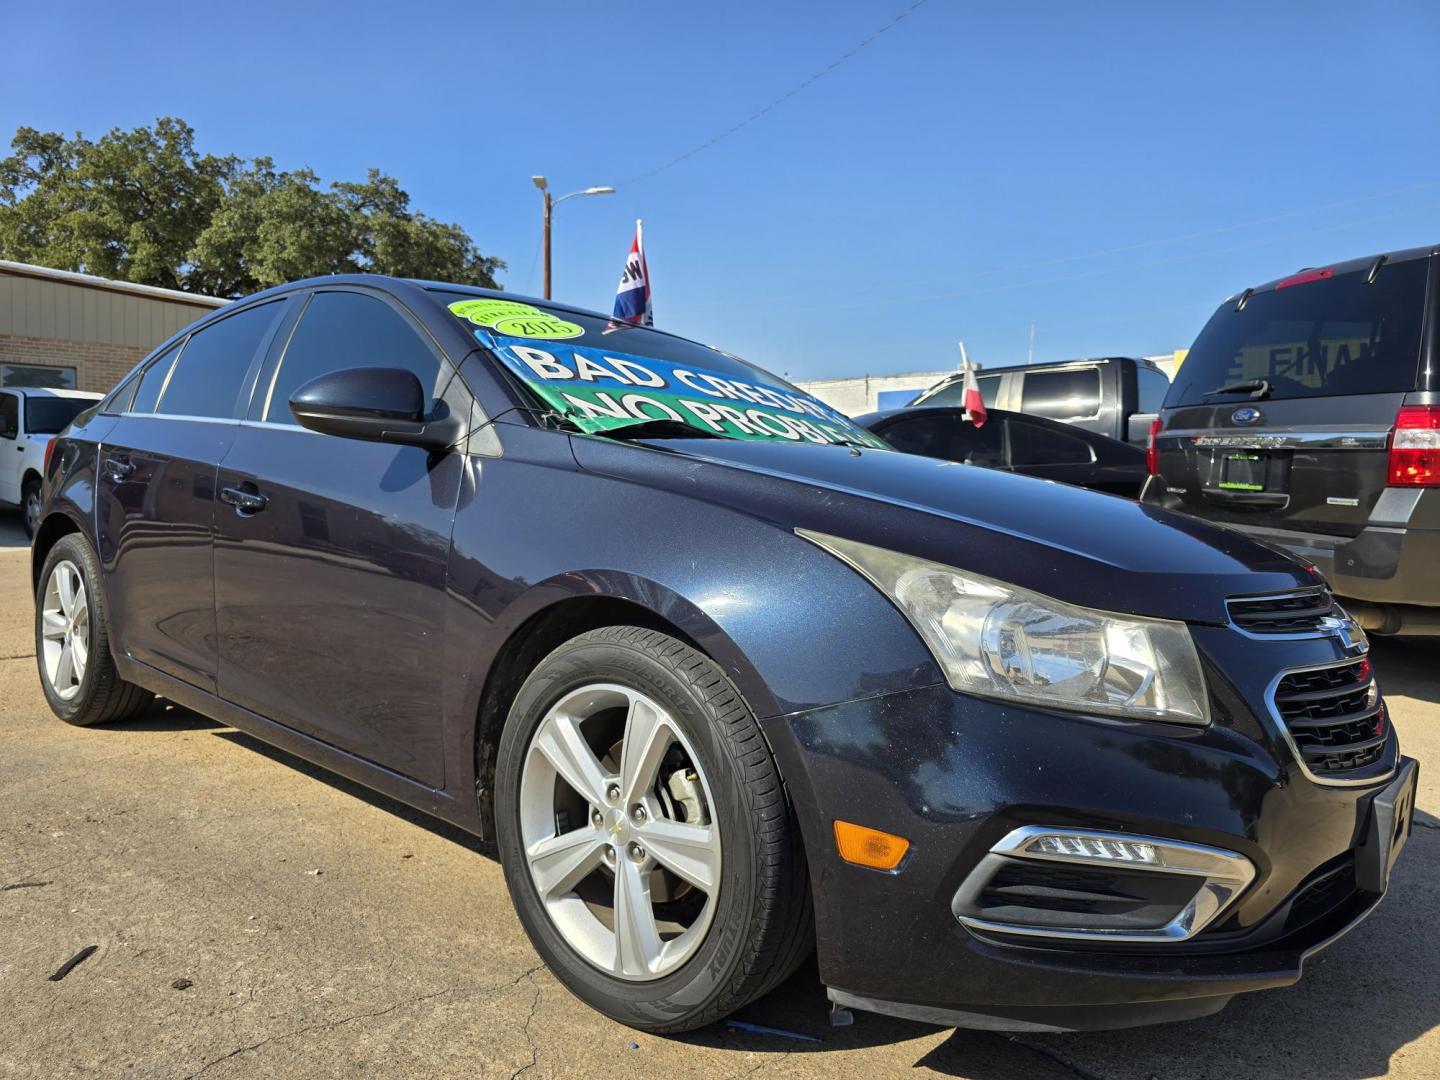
[(548, 205)]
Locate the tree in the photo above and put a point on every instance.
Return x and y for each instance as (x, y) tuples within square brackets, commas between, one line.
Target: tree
[(145, 206)]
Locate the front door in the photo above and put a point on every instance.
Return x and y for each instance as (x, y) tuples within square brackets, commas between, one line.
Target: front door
[(156, 494), (12, 448), (330, 565)]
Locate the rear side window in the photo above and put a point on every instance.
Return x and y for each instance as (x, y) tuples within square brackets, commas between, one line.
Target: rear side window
[(147, 395), (1062, 395), (348, 330), (1153, 388), (207, 376), (1031, 444), (9, 416), (1330, 337), (954, 393)]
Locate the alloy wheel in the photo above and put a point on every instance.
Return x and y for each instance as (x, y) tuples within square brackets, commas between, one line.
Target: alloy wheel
[(618, 831), (65, 633), (32, 512)]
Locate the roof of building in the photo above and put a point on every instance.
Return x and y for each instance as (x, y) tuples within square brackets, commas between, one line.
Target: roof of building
[(90, 281)]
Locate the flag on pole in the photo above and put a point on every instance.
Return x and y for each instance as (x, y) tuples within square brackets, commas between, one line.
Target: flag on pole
[(632, 298), (974, 403)]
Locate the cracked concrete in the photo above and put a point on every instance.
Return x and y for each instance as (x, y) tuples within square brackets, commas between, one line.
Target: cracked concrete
[(183, 849)]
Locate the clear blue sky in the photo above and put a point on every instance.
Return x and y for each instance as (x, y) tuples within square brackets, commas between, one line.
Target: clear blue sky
[(1108, 172)]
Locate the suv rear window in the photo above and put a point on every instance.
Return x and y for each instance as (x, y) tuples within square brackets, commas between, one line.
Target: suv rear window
[(1331, 337)]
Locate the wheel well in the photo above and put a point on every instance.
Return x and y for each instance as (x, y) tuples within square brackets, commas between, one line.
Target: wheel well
[(46, 537), (536, 638)]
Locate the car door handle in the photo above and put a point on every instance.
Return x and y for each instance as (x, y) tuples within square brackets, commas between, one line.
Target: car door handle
[(118, 468), (245, 502)]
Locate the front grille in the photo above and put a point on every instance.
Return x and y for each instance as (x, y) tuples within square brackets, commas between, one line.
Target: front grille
[(1291, 613), (1335, 717)]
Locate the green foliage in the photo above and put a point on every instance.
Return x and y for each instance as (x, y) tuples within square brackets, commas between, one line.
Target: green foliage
[(145, 206)]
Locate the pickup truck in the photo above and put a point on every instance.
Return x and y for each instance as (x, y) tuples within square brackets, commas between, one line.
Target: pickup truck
[(29, 418), (1116, 396)]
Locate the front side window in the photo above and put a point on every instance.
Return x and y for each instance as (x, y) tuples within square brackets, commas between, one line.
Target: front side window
[(954, 393), (9, 416), (207, 376), (348, 330), (1062, 395)]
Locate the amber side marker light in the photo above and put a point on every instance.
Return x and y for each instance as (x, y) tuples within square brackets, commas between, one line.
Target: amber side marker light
[(869, 847)]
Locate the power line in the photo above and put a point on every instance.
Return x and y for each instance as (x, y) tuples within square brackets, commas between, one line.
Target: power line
[(778, 101)]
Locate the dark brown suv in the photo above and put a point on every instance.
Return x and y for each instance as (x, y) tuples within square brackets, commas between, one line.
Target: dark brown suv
[(1307, 414)]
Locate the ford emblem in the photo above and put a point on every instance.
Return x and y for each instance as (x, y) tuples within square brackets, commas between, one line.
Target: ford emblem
[(1245, 415)]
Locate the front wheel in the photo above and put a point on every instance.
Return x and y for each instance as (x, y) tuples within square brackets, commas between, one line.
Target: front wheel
[(645, 834)]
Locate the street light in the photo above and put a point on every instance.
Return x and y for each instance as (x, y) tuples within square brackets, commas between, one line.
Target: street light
[(549, 203)]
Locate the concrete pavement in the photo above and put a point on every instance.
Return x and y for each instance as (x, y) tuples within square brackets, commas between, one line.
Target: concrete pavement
[(327, 931)]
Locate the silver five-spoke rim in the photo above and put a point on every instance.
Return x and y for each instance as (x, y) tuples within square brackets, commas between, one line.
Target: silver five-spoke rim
[(617, 821), (65, 629)]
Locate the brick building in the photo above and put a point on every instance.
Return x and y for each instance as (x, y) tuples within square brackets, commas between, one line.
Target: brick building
[(63, 329)]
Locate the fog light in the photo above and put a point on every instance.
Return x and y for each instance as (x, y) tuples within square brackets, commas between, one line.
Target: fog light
[(1113, 886), (1093, 847), (869, 847)]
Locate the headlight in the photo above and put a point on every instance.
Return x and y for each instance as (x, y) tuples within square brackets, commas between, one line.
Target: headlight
[(999, 641)]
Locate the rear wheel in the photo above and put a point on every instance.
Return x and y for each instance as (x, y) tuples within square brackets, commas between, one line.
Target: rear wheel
[(72, 641), (645, 834), (30, 506)]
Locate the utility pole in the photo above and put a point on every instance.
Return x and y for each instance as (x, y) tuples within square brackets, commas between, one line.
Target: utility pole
[(1029, 357), (547, 208)]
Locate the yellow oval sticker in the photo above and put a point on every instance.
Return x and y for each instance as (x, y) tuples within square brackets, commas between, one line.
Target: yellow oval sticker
[(515, 319)]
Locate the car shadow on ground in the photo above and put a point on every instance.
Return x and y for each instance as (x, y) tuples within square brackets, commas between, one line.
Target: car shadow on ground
[(1359, 1003)]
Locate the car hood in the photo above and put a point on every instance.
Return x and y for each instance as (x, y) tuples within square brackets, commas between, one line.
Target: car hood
[(1081, 546)]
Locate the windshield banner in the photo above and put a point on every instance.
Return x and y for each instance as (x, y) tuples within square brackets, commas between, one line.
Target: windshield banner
[(599, 390)]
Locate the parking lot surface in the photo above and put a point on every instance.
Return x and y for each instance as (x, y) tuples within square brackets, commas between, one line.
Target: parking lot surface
[(258, 917)]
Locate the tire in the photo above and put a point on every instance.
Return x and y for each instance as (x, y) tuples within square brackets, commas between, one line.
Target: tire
[(30, 507), (93, 693), (745, 865)]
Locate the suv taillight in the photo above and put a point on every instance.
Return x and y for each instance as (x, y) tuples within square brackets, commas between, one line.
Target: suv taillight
[(1152, 455), (1415, 447)]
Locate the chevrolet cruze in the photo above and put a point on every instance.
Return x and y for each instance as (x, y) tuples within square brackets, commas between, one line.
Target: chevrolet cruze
[(724, 679)]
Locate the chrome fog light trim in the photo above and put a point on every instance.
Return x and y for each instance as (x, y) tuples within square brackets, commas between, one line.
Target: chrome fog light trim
[(1220, 877)]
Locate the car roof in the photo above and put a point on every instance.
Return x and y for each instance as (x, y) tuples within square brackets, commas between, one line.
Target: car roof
[(1347, 266), (53, 391), (1057, 365)]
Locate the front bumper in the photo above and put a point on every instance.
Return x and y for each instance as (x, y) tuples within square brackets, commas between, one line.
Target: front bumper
[(954, 775)]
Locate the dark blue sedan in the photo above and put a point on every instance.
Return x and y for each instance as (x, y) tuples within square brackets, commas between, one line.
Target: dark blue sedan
[(722, 678)]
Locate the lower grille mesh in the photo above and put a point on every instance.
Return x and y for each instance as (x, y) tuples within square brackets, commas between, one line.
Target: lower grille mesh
[(1335, 716)]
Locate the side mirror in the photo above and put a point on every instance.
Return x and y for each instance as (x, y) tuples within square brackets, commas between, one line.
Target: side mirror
[(374, 404)]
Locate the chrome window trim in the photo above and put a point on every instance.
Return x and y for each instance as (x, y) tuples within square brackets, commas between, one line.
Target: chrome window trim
[(1364, 439), (1289, 740), (1224, 876)]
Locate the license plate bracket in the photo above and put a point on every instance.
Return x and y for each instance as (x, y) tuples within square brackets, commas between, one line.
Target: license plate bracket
[(1243, 470), (1392, 816)]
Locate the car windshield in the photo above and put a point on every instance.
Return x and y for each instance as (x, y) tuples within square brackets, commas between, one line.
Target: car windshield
[(49, 415), (1314, 336), (603, 376)]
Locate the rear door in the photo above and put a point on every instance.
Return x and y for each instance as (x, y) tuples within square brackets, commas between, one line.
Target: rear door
[(1072, 395), (330, 574), (156, 493), (1280, 415)]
